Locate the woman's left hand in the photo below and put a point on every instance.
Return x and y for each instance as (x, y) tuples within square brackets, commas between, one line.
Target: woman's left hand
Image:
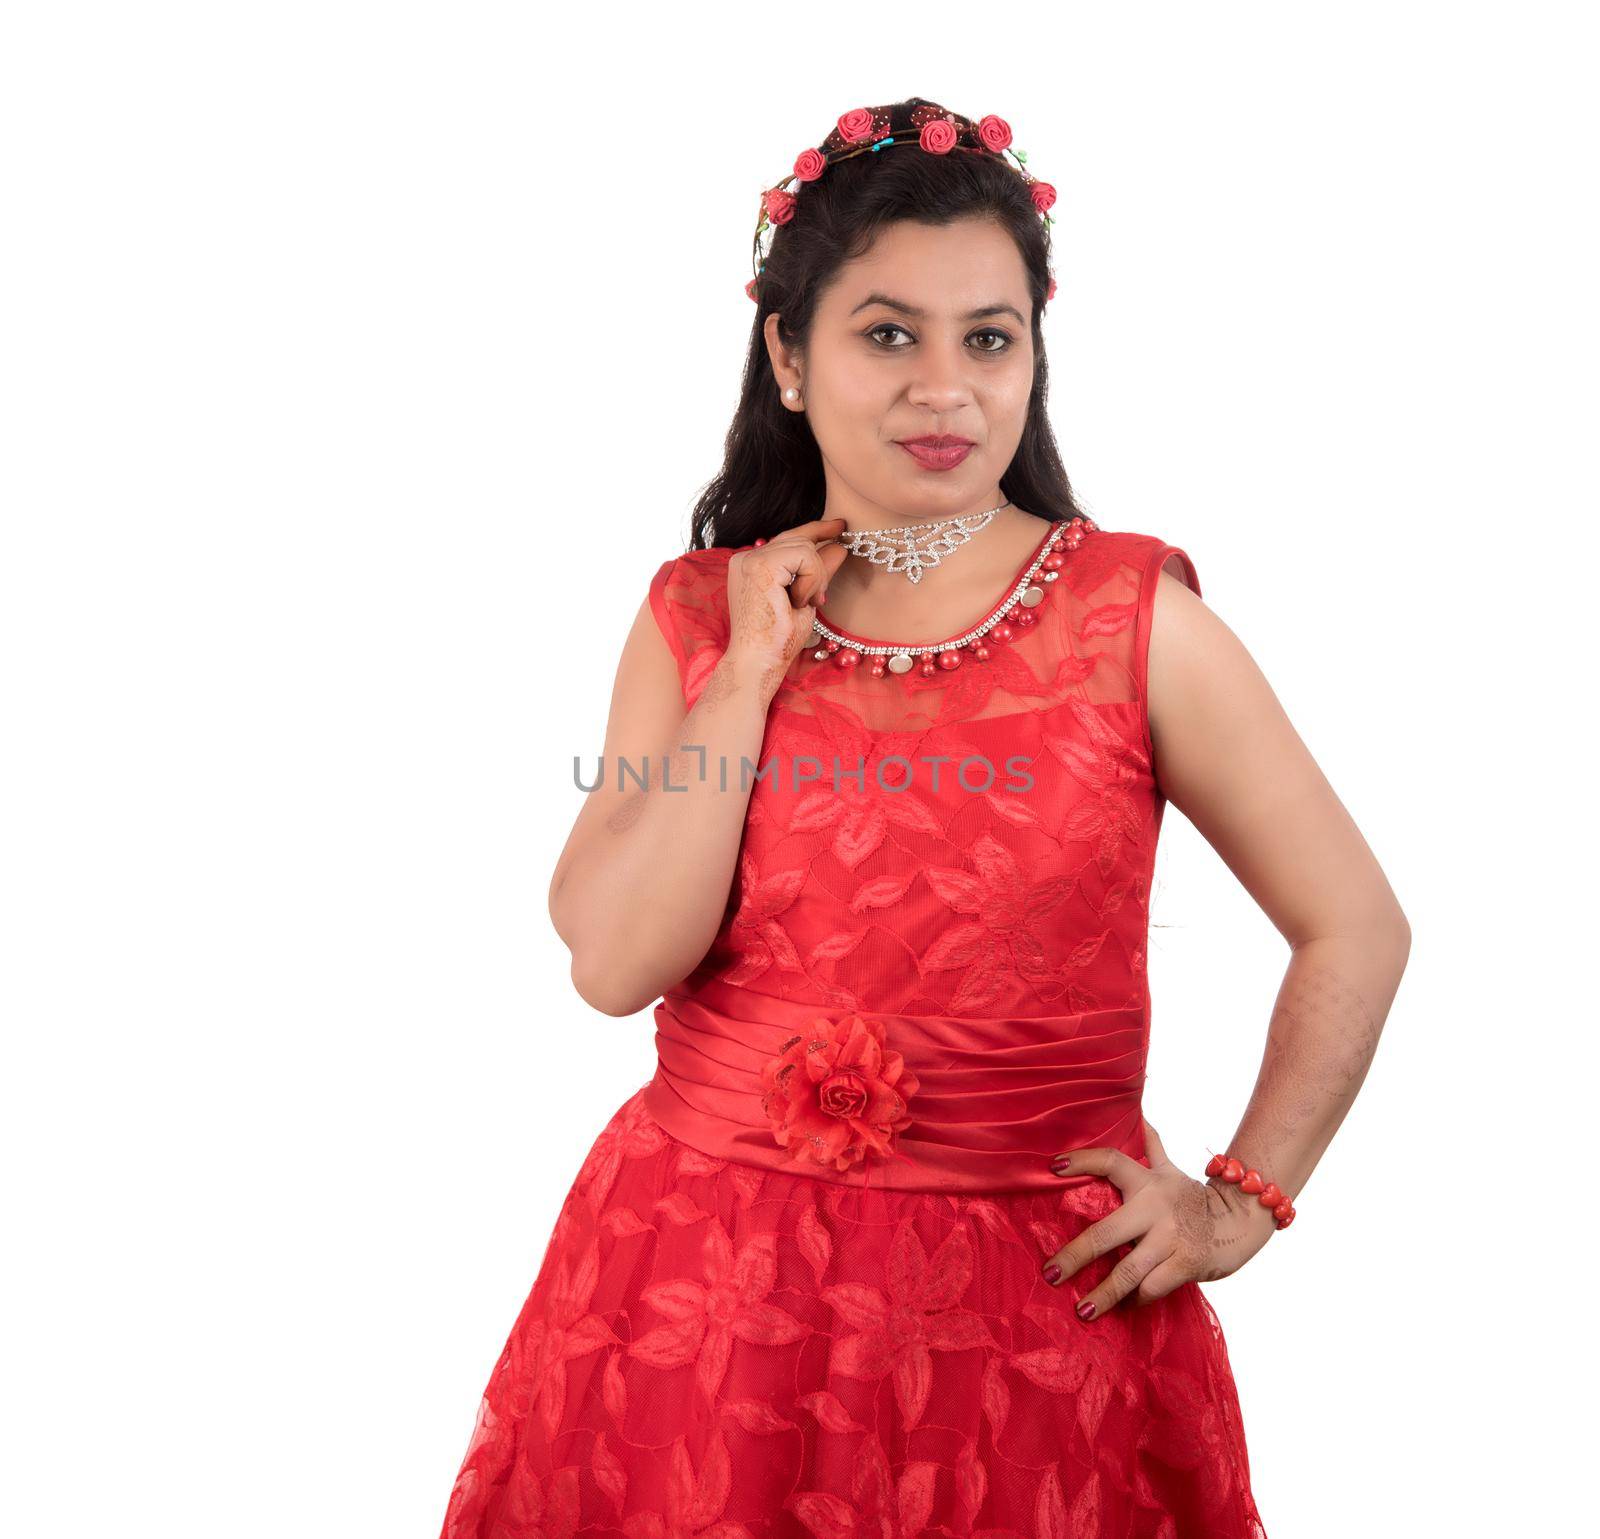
[(1182, 1230)]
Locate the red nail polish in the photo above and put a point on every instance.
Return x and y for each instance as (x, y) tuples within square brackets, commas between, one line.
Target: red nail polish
[(1052, 1274), (1086, 1310), (1060, 1163)]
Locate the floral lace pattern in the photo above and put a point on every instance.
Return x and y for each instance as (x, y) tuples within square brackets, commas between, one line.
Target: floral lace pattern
[(732, 1349), (1010, 873), (714, 1349)]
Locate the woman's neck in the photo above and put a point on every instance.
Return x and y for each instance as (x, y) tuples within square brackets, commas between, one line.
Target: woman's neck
[(871, 600)]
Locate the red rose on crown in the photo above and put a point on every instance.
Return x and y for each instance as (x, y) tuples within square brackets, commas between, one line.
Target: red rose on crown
[(994, 133), (839, 1094), (856, 124)]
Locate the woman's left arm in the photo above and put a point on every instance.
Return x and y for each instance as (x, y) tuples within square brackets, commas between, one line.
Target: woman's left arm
[(1228, 757)]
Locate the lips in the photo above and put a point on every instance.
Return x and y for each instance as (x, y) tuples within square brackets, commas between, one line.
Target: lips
[(943, 451)]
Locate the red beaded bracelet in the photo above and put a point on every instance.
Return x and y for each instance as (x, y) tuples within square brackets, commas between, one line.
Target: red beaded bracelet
[(1251, 1181)]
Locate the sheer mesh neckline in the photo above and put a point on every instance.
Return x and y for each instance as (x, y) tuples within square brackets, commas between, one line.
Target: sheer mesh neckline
[(1083, 644), (989, 609)]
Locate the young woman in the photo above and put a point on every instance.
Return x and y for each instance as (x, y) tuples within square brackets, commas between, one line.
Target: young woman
[(886, 1246)]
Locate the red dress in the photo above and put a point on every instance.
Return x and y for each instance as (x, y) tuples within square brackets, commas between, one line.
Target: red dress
[(795, 1289)]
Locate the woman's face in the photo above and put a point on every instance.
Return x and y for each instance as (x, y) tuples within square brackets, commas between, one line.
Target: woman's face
[(927, 334)]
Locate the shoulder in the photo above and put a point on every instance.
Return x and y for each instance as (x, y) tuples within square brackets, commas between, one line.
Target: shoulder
[(695, 567), (1142, 556), (1123, 570), (692, 589), (689, 600)]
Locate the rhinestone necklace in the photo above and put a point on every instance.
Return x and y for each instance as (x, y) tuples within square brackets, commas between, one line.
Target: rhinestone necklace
[(1009, 618), (899, 552)]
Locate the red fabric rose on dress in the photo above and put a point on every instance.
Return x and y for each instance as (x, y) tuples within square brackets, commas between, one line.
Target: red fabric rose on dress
[(809, 165), (994, 133), (856, 124), (839, 1094), (938, 137), (780, 206), (1044, 196)]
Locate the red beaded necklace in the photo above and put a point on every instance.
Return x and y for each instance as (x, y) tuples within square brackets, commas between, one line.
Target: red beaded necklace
[(1013, 614)]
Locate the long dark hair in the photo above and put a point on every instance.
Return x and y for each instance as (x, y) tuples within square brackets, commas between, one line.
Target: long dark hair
[(772, 475)]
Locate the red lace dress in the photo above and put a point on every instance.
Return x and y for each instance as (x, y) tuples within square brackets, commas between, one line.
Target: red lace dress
[(795, 1289)]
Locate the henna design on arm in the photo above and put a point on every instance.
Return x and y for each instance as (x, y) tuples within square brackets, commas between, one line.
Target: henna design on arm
[(1320, 1044)]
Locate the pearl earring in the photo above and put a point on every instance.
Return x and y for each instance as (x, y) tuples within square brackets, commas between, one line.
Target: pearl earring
[(791, 394)]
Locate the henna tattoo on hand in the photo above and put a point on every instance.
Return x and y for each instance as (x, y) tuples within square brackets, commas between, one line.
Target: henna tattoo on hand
[(1196, 1222), (753, 618), (758, 608)]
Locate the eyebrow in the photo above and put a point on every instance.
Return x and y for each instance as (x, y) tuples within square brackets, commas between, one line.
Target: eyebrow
[(972, 315)]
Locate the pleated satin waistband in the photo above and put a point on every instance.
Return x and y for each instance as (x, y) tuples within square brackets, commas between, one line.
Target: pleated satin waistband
[(994, 1097)]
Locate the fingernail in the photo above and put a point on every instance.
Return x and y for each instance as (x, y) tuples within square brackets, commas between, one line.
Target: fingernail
[(1060, 1163), (1086, 1310), (1052, 1274)]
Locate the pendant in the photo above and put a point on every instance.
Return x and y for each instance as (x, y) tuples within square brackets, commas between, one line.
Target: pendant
[(1012, 618), (899, 551)]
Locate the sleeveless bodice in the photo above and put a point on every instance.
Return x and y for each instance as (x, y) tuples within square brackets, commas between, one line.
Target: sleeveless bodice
[(961, 860)]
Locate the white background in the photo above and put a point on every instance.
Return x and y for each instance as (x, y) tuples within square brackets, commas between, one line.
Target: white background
[(361, 363)]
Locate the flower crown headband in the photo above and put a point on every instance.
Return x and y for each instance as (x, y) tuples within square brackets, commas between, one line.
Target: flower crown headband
[(861, 131)]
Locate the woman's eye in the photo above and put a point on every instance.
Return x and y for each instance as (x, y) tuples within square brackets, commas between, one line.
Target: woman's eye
[(989, 331), (888, 326)]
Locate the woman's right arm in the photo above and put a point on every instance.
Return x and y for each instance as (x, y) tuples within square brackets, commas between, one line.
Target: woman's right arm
[(641, 887)]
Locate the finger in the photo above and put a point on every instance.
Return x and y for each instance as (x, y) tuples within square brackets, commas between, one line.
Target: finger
[(1153, 1150), (818, 537), (1161, 1280), (1103, 1235), (1122, 1279), (797, 566), (1113, 1164), (833, 557), (808, 590)]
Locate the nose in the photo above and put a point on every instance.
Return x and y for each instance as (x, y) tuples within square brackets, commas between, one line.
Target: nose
[(940, 382)]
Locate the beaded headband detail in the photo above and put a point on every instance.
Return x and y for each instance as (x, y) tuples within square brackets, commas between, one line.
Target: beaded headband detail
[(862, 131)]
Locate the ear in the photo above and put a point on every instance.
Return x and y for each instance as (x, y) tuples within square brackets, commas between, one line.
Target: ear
[(785, 361)]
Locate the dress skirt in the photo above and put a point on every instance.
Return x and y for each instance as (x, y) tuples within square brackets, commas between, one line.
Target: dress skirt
[(735, 1351)]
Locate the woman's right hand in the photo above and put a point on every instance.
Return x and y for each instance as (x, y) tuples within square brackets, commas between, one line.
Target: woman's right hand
[(773, 592)]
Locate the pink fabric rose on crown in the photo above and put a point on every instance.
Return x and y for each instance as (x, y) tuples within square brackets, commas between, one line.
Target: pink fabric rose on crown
[(838, 1095), (856, 124), (779, 205), (994, 133)]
